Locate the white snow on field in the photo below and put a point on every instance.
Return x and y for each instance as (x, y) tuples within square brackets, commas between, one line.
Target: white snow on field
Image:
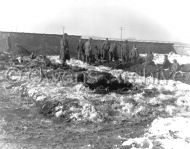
[(159, 58), (182, 59), (169, 131)]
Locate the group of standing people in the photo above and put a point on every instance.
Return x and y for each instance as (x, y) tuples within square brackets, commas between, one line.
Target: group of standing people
[(108, 51), (90, 52), (129, 55)]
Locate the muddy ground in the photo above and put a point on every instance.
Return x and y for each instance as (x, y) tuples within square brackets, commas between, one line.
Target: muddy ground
[(152, 116), (21, 126)]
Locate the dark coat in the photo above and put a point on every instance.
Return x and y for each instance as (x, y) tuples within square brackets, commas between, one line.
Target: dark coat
[(97, 51), (134, 53), (125, 49), (175, 67), (113, 48), (166, 64), (88, 48), (64, 48), (106, 46), (80, 47), (149, 58)]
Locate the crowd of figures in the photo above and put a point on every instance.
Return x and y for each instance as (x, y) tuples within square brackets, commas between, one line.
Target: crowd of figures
[(108, 52), (90, 53)]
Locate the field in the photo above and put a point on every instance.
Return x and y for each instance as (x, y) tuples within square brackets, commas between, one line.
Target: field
[(153, 116)]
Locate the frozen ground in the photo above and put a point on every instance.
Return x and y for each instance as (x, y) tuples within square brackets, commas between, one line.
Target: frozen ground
[(156, 117), (170, 130)]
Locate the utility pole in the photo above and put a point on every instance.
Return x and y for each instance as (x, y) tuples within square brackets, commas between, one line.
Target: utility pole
[(63, 30), (121, 28)]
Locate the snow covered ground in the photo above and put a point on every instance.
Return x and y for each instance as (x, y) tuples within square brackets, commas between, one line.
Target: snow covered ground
[(159, 58), (165, 101), (168, 131), (172, 131)]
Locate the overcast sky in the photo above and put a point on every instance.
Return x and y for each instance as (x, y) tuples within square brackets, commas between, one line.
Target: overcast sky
[(163, 20)]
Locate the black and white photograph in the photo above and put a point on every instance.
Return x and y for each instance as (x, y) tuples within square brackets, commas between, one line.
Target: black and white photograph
[(94, 74)]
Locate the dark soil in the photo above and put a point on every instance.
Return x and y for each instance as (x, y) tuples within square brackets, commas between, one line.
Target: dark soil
[(23, 127)]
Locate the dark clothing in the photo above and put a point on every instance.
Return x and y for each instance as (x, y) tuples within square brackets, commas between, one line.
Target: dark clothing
[(88, 51), (113, 52), (80, 50), (125, 52), (97, 53), (105, 49), (134, 55), (32, 56), (149, 59), (9, 47), (105, 55), (166, 64), (111, 56), (174, 68), (47, 62), (64, 51), (88, 48)]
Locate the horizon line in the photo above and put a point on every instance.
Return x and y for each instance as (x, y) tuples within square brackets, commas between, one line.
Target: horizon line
[(100, 38)]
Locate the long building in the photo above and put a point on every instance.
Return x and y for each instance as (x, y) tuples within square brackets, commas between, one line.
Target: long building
[(49, 44)]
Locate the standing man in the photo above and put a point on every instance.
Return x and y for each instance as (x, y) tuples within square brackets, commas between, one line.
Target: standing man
[(125, 51), (166, 64), (149, 58), (88, 50), (174, 68), (105, 48), (80, 50), (113, 51), (64, 51), (9, 47), (134, 55), (97, 53)]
